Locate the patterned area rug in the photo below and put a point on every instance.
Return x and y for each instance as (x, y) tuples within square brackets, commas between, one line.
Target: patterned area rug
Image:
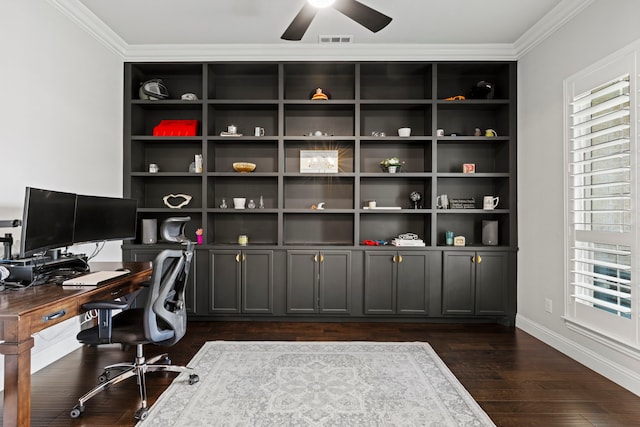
[(319, 384)]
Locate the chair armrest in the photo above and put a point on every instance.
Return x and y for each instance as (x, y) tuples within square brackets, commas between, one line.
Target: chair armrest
[(105, 305)]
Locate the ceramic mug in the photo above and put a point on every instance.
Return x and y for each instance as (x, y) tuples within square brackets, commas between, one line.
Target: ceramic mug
[(442, 201), (489, 203), (490, 133), (238, 202), (232, 129), (258, 131)]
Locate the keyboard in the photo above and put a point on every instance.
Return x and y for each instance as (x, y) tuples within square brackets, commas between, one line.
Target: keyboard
[(95, 278)]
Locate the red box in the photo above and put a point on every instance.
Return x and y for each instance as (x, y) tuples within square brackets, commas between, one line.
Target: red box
[(176, 128)]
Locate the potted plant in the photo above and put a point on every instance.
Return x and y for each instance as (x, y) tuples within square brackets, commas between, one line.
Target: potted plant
[(391, 164)]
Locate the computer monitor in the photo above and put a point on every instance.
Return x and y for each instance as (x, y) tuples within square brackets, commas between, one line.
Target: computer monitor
[(47, 221), (104, 218)]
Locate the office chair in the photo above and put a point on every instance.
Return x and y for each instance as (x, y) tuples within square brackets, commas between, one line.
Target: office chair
[(162, 321)]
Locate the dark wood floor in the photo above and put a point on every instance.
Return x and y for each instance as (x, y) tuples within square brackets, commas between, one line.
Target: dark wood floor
[(517, 380)]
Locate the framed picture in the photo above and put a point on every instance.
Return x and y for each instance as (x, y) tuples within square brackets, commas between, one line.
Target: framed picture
[(318, 161), (469, 168)]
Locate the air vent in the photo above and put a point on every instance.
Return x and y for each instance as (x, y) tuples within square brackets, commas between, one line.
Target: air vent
[(335, 39)]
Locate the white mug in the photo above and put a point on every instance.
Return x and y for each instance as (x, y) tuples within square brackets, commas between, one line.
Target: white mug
[(489, 203), (259, 131), (232, 129), (442, 201), (238, 202)]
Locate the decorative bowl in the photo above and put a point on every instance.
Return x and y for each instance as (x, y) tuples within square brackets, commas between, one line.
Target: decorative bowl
[(244, 167)]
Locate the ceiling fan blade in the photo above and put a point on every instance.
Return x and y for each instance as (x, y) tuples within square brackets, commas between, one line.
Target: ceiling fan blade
[(300, 23), (363, 15)]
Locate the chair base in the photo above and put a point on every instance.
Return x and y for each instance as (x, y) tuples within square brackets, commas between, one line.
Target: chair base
[(127, 370)]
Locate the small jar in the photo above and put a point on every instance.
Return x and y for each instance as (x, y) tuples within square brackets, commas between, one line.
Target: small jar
[(153, 168), (251, 204), (243, 240)]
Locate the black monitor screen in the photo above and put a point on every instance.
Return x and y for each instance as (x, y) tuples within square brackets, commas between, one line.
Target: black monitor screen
[(104, 218), (47, 221)]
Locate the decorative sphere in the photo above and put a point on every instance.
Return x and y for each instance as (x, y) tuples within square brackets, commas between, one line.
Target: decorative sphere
[(415, 196)]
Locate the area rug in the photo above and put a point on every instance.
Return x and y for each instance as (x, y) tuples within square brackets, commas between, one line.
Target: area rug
[(317, 384)]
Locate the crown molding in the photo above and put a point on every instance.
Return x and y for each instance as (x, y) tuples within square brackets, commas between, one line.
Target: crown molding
[(89, 22), (557, 17), (550, 23), (304, 52)]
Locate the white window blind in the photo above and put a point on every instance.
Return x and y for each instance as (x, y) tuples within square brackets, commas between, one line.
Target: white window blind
[(601, 202)]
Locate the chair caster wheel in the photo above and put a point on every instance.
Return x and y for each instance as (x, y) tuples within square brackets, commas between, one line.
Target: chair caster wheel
[(141, 414), (193, 378), (76, 411)]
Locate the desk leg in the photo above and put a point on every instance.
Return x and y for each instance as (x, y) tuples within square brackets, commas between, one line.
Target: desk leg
[(17, 383)]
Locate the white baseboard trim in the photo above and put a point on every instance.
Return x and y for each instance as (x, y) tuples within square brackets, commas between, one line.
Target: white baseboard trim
[(621, 375)]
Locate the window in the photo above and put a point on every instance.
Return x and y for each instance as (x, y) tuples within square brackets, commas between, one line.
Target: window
[(601, 202)]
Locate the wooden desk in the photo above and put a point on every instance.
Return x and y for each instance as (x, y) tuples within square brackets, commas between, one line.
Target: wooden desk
[(25, 312)]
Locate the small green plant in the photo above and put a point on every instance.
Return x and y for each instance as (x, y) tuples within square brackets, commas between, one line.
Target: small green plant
[(391, 161)]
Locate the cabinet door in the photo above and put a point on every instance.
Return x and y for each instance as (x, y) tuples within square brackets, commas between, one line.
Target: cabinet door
[(302, 279), (335, 282), (491, 283), (458, 279), (380, 282), (413, 296), (257, 282), (142, 255), (225, 269)]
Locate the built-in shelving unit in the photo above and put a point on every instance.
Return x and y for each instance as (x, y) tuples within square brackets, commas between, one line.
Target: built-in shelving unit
[(367, 98)]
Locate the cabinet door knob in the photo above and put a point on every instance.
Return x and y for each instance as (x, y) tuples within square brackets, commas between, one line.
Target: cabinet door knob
[(399, 259), (393, 259), (478, 259), (237, 257), (321, 258), (315, 258), (244, 257), (473, 259)]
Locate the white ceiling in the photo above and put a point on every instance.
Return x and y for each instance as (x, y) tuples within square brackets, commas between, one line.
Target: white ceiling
[(142, 24)]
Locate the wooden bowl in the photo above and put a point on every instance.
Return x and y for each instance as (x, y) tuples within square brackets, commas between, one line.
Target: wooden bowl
[(244, 167)]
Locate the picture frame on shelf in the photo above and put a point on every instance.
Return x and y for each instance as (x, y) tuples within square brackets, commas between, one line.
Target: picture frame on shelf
[(318, 161)]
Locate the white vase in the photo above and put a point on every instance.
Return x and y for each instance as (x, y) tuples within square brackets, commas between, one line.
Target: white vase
[(392, 169)]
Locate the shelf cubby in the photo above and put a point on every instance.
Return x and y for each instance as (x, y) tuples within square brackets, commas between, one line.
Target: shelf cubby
[(245, 117), (490, 155), (469, 225), (246, 81), (318, 228), (336, 78), (415, 155), (465, 186), (301, 192), (389, 224), (388, 118), (249, 186), (147, 114), (151, 189), (170, 154), (393, 190), (179, 78), (458, 78), (224, 152), (383, 80), (462, 118), (303, 119), (260, 227)]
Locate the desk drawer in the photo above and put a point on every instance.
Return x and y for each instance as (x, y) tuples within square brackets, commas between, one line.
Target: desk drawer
[(52, 314)]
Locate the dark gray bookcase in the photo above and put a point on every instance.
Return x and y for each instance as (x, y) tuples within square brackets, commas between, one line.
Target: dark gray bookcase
[(366, 97)]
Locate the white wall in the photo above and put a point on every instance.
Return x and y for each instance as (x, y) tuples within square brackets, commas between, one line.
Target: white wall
[(60, 123), (594, 34)]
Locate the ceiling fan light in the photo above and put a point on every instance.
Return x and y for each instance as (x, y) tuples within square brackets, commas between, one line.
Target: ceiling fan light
[(321, 3)]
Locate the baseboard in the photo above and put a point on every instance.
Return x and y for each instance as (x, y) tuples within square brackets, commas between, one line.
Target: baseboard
[(615, 372)]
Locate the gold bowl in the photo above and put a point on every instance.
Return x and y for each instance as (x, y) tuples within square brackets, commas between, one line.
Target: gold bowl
[(244, 167)]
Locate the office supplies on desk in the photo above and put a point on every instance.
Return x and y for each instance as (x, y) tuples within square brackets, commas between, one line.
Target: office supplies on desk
[(92, 279)]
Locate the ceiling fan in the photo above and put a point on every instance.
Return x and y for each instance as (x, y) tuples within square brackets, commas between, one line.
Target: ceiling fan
[(362, 14)]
